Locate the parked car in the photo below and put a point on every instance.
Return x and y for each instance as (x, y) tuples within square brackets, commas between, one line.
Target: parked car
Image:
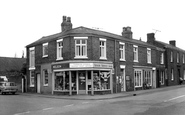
[(8, 87)]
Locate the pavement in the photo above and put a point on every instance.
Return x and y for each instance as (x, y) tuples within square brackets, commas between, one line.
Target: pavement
[(106, 96)]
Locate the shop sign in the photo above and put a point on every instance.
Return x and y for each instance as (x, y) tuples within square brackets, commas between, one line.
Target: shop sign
[(60, 66), (57, 66), (95, 65)]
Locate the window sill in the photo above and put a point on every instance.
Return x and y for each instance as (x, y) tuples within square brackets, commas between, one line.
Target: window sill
[(103, 58), (149, 62), (32, 68), (138, 86), (44, 56), (81, 57), (59, 59), (136, 61), (45, 85), (32, 86), (122, 60)]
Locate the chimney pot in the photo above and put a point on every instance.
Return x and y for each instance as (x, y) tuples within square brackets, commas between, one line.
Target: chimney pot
[(127, 33), (172, 42), (150, 38)]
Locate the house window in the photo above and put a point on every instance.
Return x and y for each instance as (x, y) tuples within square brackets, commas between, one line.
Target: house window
[(45, 50), (148, 55), (138, 78), (177, 57), (171, 57), (122, 51), (162, 58), (135, 53), (80, 47), (162, 77), (183, 58), (147, 77), (184, 74), (32, 81), (59, 49), (45, 77), (32, 58), (172, 76), (103, 48)]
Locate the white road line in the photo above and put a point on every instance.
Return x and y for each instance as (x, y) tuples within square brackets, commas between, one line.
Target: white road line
[(174, 98), (85, 102), (47, 108), (68, 105), (22, 113)]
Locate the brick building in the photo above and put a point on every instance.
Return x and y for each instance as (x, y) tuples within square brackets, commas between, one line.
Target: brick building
[(174, 60), (87, 61)]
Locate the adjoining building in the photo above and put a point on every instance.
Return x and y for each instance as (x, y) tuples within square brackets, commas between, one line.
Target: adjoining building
[(88, 61)]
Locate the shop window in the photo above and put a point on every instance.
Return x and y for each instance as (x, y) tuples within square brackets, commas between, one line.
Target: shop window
[(62, 81), (101, 80), (59, 49), (147, 78), (103, 49), (80, 47), (32, 58), (138, 78), (148, 55), (135, 50), (32, 81), (45, 50), (122, 51), (45, 77), (162, 77)]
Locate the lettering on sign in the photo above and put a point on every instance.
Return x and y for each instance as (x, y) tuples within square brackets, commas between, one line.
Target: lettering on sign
[(95, 65), (57, 66)]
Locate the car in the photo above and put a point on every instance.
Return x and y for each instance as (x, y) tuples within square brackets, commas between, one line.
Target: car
[(8, 87)]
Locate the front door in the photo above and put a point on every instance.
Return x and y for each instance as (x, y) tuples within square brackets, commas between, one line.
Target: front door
[(82, 82), (38, 83), (122, 80)]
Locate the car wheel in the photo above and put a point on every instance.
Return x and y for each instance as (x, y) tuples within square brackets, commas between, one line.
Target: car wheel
[(13, 93)]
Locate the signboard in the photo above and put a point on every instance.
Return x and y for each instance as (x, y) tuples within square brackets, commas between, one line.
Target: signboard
[(93, 65)]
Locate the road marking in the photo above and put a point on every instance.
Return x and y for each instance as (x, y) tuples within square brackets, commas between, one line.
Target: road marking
[(174, 98), (85, 102), (22, 113), (47, 108), (68, 105)]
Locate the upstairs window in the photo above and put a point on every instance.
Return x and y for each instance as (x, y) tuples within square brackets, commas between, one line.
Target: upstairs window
[(149, 55), (45, 50), (60, 49), (135, 50), (162, 58), (103, 49), (32, 58), (171, 57), (80, 47), (122, 51), (45, 77), (177, 57), (183, 58)]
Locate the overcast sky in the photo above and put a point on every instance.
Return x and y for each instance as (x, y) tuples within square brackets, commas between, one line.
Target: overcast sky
[(25, 21)]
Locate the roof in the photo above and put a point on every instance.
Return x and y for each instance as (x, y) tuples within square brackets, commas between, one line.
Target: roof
[(8, 63), (170, 46), (88, 32)]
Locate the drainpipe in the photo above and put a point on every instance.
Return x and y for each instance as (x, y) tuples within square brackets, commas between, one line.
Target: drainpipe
[(115, 68)]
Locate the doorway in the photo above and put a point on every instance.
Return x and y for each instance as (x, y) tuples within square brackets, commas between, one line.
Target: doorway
[(82, 82), (38, 83), (122, 80)]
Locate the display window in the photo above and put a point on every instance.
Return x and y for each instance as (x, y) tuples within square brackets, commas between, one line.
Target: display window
[(62, 80), (101, 80)]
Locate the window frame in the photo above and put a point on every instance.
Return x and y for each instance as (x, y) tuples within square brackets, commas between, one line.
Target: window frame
[(103, 48), (149, 55), (81, 45), (162, 58), (172, 74), (171, 56), (162, 77), (32, 77), (139, 72), (135, 53), (60, 50), (31, 58), (44, 53), (183, 59), (44, 77), (178, 57), (122, 51)]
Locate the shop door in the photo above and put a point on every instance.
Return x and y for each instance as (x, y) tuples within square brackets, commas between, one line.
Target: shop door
[(82, 82), (38, 83)]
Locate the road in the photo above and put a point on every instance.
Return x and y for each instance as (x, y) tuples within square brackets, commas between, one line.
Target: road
[(166, 102)]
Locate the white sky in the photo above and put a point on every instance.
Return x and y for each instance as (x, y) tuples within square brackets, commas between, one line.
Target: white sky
[(24, 21)]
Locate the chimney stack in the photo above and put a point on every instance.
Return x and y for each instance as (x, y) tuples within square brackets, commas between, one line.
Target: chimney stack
[(66, 24), (151, 38), (172, 42), (127, 33)]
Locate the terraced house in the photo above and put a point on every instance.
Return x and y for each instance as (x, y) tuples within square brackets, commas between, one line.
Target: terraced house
[(88, 61)]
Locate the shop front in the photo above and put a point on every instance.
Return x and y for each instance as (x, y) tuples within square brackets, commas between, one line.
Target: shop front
[(75, 78)]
